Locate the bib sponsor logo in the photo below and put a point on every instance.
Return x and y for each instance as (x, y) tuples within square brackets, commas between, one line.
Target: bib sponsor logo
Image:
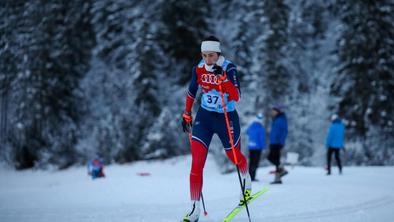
[(209, 78)]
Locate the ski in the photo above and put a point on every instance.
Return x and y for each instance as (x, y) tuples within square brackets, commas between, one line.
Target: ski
[(238, 208)]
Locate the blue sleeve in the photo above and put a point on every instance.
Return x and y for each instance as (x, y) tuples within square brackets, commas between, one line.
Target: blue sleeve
[(249, 129), (193, 85), (275, 132), (232, 75), (285, 131), (342, 133), (329, 136), (341, 136), (281, 131)]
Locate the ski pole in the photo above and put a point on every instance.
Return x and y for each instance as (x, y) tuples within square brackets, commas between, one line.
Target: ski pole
[(202, 197), (203, 205), (220, 80)]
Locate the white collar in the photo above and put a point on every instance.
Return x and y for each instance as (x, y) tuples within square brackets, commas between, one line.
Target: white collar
[(219, 63)]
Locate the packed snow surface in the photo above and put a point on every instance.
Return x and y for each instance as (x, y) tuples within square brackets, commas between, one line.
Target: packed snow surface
[(158, 191)]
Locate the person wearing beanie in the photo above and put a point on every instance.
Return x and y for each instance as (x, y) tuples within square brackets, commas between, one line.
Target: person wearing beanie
[(212, 70), (278, 136), (256, 135), (335, 142)]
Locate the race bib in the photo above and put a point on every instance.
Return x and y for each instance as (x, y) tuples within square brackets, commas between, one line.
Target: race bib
[(212, 100)]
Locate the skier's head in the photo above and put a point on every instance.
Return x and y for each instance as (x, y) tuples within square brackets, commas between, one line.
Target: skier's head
[(277, 109), (259, 117), (334, 117), (210, 50)]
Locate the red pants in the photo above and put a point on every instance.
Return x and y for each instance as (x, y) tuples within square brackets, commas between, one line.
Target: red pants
[(199, 155)]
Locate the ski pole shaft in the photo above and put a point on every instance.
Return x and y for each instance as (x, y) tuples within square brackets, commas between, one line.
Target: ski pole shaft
[(228, 124), (203, 205), (232, 145)]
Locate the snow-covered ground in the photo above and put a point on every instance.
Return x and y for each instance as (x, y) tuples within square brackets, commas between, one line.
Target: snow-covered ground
[(360, 194)]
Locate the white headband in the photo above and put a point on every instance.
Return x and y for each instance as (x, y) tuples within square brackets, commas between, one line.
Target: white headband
[(212, 46)]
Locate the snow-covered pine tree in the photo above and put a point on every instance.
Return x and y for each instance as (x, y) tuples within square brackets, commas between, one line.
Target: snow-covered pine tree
[(10, 64), (110, 82), (147, 78), (184, 26), (310, 46), (364, 83), (277, 77), (249, 45), (65, 59), (124, 78), (51, 55), (15, 38), (180, 30)]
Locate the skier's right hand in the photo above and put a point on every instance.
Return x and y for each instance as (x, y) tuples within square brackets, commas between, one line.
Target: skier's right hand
[(217, 70), (186, 121)]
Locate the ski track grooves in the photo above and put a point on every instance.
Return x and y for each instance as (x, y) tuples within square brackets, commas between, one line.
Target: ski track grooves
[(349, 209)]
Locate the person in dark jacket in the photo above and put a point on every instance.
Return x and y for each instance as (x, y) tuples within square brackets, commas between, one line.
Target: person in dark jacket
[(335, 142), (278, 136), (256, 135)]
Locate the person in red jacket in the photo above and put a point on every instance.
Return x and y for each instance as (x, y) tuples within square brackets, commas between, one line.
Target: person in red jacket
[(210, 72)]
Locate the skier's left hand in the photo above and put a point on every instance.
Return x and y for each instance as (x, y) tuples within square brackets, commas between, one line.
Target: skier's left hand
[(218, 71)]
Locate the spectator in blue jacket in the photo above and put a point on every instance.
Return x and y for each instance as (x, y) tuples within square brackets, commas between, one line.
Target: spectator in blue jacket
[(278, 136), (256, 135), (335, 142)]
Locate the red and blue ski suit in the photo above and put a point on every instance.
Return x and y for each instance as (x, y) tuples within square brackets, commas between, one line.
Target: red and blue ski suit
[(210, 118)]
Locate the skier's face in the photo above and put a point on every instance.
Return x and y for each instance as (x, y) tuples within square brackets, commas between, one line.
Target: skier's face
[(210, 58), (274, 113)]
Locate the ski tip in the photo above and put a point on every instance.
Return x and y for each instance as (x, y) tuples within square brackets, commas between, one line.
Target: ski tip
[(205, 213)]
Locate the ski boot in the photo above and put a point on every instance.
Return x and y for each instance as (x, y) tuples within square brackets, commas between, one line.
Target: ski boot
[(194, 213), (282, 172), (277, 179), (247, 182), (248, 195)]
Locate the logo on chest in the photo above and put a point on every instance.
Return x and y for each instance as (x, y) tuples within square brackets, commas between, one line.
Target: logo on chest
[(209, 79)]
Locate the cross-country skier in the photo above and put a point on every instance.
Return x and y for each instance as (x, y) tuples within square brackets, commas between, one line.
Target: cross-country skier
[(210, 118)]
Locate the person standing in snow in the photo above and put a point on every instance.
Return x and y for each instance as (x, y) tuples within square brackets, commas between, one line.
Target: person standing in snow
[(96, 168), (335, 142), (210, 118), (256, 135), (278, 136)]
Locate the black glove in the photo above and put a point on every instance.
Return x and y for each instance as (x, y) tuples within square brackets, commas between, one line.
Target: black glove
[(218, 70), (186, 121)]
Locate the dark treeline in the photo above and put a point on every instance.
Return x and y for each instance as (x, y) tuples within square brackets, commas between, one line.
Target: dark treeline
[(108, 77)]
